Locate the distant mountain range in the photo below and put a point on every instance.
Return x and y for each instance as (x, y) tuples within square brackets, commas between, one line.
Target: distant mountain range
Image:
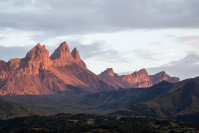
[(64, 71), (136, 79)]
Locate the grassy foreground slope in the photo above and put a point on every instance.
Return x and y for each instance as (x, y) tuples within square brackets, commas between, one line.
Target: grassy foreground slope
[(183, 105)]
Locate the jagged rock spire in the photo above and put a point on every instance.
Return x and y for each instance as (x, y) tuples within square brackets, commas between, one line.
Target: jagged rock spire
[(75, 54), (62, 51)]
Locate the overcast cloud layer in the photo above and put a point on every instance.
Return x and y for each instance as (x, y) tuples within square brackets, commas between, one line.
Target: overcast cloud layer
[(51, 18)]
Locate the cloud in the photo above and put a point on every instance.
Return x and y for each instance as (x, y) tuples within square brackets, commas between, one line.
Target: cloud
[(1, 38), (99, 50), (155, 43), (146, 54), (183, 68), (53, 18), (189, 40), (171, 52)]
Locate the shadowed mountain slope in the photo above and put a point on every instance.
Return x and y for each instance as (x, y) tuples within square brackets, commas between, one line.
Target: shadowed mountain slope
[(183, 104)]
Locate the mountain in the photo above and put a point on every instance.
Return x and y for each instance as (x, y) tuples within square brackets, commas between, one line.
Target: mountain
[(65, 72), (37, 74), (136, 79), (180, 105)]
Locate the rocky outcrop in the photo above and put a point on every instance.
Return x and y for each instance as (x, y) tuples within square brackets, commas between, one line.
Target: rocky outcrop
[(3, 76), (14, 64), (4, 66)]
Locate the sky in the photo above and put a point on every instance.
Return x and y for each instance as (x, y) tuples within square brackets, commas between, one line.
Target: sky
[(159, 35)]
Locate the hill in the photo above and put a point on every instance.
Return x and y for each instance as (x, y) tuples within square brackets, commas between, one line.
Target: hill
[(11, 110), (183, 104)]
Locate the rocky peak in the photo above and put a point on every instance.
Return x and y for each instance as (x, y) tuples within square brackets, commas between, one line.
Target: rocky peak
[(162, 73), (163, 76), (62, 56), (37, 58), (143, 70), (140, 76), (75, 54), (62, 51), (110, 72), (107, 72), (37, 52), (143, 74)]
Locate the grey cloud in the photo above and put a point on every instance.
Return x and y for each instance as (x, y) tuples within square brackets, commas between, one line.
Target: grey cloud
[(56, 18), (185, 68)]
